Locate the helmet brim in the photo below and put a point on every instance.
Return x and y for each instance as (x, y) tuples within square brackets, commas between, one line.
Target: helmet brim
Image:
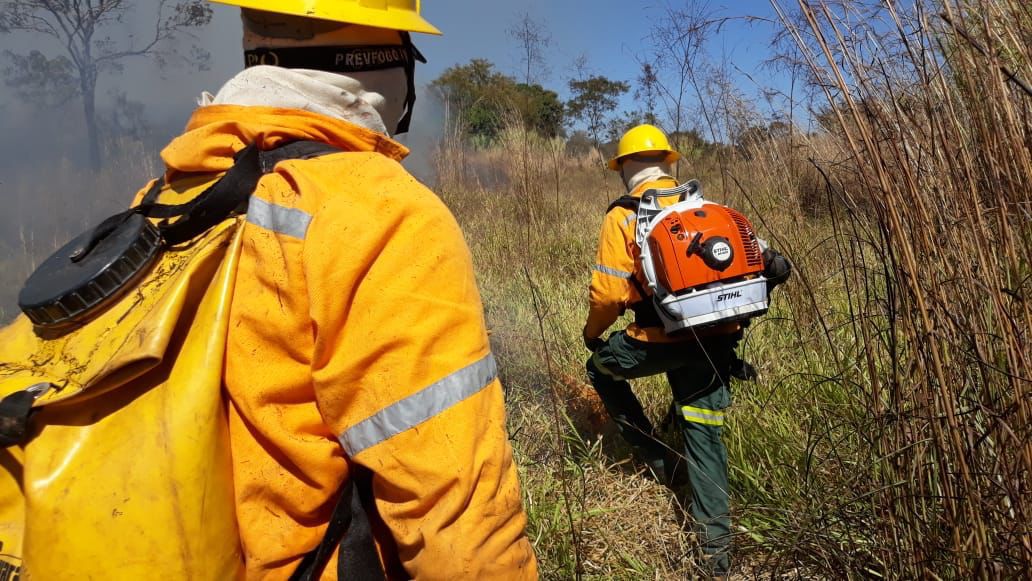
[(671, 157), (392, 20)]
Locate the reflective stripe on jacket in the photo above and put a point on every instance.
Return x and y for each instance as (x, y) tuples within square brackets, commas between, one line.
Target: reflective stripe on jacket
[(357, 339), (618, 266)]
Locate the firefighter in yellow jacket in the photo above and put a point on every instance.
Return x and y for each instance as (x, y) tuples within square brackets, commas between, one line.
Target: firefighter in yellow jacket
[(286, 256), (357, 349), (697, 365)]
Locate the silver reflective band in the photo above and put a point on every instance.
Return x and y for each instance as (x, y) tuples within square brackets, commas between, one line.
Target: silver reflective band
[(612, 271), (630, 218), (703, 416), (420, 406), (281, 220)]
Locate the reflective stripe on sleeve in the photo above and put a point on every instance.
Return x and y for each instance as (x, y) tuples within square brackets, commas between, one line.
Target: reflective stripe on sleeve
[(612, 271), (702, 416), (420, 406), (630, 218), (279, 219)]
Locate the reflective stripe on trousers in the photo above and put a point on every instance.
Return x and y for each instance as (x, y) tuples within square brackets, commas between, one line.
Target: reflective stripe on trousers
[(702, 416)]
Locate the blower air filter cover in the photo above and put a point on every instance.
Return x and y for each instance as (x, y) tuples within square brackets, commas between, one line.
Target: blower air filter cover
[(62, 292)]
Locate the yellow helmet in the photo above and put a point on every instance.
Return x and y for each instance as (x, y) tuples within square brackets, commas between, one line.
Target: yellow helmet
[(643, 139), (393, 14)]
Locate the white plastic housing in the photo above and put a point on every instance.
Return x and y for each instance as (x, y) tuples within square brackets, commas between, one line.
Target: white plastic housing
[(726, 302)]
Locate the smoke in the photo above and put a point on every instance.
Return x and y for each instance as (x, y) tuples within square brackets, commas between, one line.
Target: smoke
[(163, 96), (48, 193), (424, 136)]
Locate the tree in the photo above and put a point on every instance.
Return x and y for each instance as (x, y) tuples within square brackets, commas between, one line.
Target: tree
[(753, 137), (533, 39), (477, 93), (541, 109), (647, 93), (82, 30), (594, 99), (483, 95), (677, 65), (619, 124), (126, 117), (48, 83)]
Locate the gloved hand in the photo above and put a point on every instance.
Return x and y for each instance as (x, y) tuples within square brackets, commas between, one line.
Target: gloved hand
[(592, 344), (776, 269), (741, 369)]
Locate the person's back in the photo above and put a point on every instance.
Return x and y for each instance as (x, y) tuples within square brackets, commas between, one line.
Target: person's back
[(357, 350), (274, 364), (356, 322), (698, 362)]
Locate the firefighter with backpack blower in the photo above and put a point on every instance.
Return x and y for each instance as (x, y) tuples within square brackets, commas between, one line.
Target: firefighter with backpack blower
[(693, 272), (274, 365)]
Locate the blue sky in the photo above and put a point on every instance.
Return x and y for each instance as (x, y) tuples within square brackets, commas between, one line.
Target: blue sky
[(610, 33)]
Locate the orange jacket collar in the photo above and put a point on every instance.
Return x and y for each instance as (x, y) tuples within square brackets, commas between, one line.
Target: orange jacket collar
[(658, 184), (215, 133)]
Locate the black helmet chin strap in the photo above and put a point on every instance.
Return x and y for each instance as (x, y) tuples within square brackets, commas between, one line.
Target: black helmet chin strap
[(410, 74), (349, 59)]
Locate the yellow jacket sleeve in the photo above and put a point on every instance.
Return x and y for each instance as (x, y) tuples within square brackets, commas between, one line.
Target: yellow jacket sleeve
[(611, 290), (404, 375)]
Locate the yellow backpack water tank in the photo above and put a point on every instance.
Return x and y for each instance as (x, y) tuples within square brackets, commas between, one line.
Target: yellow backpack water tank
[(128, 472)]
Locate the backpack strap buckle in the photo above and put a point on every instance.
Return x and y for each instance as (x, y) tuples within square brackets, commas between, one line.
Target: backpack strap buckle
[(16, 410)]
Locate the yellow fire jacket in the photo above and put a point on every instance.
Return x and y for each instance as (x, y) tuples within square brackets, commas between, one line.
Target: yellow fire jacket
[(617, 265), (357, 339)]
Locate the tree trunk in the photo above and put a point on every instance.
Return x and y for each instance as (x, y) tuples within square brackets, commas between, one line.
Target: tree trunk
[(89, 90)]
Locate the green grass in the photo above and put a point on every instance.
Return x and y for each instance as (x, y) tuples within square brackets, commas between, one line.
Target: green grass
[(791, 433)]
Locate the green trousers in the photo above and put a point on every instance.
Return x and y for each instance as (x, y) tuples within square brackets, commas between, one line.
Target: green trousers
[(697, 371)]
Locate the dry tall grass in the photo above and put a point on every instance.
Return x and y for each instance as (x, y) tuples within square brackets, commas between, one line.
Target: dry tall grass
[(889, 432), (937, 122)]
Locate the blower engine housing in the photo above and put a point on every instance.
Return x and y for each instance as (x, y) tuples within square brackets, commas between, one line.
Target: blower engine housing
[(702, 261)]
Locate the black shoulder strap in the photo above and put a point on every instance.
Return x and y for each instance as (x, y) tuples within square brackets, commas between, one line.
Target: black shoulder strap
[(224, 198), (15, 410), (295, 150), (349, 528), (230, 194), (625, 201)]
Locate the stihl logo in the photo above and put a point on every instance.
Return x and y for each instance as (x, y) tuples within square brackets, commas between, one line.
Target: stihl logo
[(726, 296)]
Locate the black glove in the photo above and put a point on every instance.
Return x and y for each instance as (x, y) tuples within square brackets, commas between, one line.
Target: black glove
[(742, 370), (592, 344), (776, 269)]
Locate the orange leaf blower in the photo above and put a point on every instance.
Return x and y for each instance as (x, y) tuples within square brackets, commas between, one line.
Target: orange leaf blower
[(702, 261)]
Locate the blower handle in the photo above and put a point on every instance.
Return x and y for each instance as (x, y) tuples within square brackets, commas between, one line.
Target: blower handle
[(692, 188)]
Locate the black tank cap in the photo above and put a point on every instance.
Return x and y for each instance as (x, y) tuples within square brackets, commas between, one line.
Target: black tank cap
[(62, 292)]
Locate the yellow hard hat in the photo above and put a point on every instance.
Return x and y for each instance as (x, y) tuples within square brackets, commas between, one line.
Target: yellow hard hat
[(392, 14), (643, 139)]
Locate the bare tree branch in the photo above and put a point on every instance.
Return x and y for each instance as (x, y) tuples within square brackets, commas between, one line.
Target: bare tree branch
[(77, 25), (533, 39)]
